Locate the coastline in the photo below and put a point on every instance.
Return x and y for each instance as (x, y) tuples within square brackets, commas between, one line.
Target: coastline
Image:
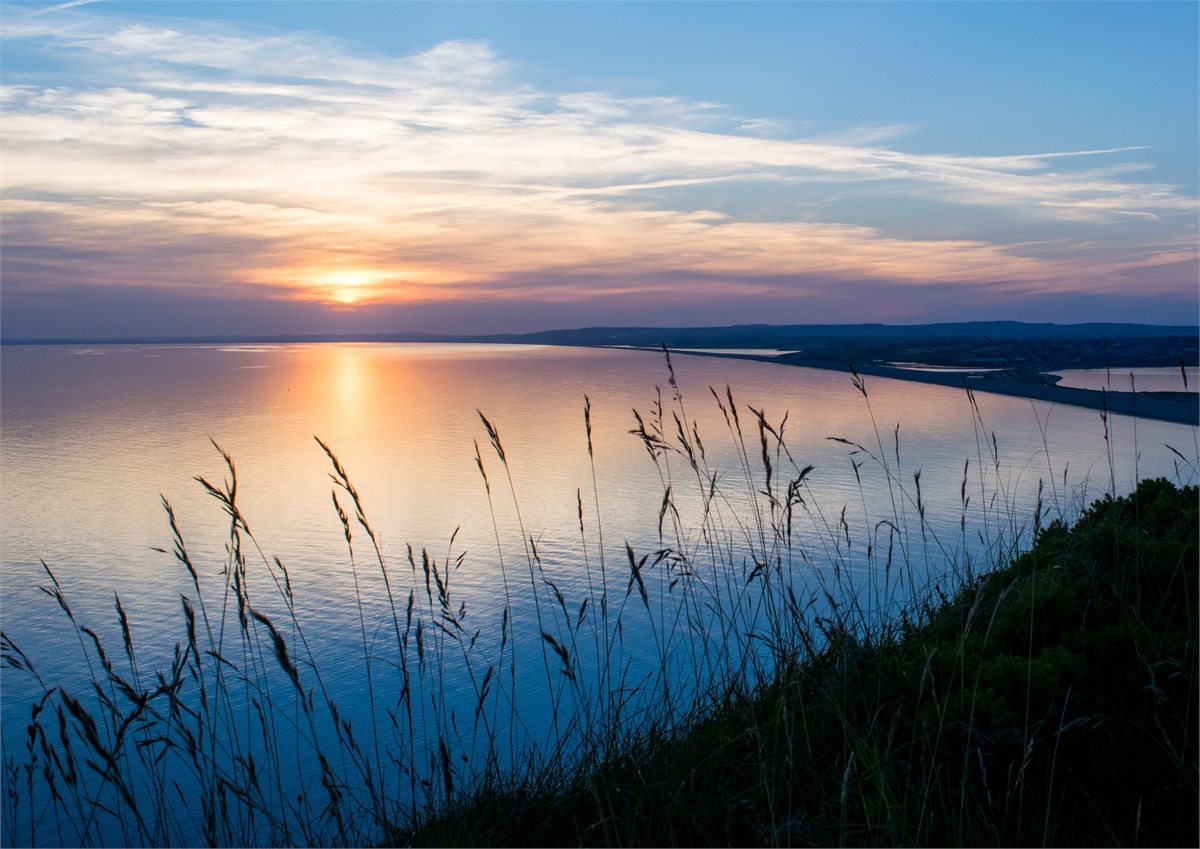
[(1174, 407)]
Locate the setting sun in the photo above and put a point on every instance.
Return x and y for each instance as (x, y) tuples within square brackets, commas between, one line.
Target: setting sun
[(346, 286), (351, 286)]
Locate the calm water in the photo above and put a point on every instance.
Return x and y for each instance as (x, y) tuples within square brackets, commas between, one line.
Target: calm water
[(94, 437), (1130, 379)]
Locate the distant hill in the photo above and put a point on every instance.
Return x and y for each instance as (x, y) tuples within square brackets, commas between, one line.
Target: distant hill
[(735, 336), (793, 335)]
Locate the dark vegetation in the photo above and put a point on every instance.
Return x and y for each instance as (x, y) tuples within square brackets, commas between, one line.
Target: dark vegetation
[(1019, 354), (1051, 702)]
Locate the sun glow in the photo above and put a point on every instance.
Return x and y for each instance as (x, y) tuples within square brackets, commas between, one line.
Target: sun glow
[(340, 286), (350, 286)]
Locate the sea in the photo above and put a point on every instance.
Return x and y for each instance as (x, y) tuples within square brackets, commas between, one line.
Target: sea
[(604, 530)]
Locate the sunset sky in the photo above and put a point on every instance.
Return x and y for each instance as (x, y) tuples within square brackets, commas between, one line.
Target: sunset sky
[(263, 168)]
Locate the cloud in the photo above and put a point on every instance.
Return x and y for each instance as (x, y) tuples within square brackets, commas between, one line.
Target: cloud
[(208, 159), (60, 6)]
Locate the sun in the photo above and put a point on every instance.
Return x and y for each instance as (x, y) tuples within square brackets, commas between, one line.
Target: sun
[(349, 286)]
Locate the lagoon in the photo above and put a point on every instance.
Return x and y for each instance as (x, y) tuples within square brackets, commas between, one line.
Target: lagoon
[(95, 437), (1146, 379)]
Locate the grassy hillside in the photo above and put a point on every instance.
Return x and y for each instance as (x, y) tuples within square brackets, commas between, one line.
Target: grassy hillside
[(1052, 702)]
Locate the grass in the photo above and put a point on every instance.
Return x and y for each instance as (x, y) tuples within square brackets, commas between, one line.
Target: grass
[(1049, 702), (771, 672)]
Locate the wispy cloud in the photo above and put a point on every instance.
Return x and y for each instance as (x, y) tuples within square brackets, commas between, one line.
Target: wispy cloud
[(57, 7), (214, 158)]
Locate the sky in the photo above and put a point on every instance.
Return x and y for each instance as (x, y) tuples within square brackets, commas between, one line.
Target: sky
[(262, 168)]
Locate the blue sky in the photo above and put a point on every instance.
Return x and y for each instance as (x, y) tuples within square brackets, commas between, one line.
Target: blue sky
[(288, 167)]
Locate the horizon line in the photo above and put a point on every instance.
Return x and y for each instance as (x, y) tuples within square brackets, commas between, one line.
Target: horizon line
[(422, 336)]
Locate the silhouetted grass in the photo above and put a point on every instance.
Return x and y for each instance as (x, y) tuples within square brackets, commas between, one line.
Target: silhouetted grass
[(1049, 702), (773, 671)]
